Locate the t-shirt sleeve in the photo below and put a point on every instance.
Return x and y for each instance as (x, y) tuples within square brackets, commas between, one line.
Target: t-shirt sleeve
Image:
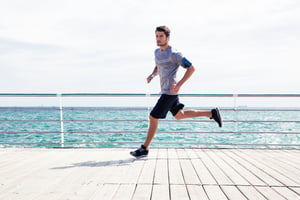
[(180, 60)]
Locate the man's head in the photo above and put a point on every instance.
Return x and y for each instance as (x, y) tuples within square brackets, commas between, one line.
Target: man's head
[(162, 34)]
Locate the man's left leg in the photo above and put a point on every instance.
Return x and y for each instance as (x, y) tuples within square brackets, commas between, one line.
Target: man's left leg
[(183, 114), (212, 114)]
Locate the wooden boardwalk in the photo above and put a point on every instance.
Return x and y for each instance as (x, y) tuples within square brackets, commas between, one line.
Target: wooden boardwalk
[(237, 174)]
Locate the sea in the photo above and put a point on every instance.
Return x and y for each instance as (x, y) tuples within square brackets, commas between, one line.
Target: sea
[(105, 127)]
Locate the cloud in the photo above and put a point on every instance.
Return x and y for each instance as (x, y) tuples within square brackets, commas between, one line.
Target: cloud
[(9, 46)]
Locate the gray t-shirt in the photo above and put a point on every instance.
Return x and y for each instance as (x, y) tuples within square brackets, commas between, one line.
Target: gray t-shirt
[(168, 62)]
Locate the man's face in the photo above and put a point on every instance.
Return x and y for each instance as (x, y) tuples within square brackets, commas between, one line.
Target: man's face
[(161, 39)]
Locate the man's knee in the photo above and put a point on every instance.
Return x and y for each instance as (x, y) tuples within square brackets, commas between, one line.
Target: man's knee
[(179, 115), (153, 119)]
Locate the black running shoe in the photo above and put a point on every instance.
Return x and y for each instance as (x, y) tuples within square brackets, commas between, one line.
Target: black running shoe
[(140, 152), (216, 116)]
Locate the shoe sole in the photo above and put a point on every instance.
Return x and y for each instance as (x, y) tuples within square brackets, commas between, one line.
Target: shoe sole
[(138, 156)]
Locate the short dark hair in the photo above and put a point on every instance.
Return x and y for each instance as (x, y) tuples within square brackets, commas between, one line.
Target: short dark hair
[(164, 29)]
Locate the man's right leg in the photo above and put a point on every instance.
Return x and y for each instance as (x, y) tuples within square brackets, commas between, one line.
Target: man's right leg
[(159, 111), (143, 150), (153, 124)]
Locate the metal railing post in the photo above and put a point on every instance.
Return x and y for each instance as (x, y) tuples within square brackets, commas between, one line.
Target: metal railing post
[(62, 136), (235, 116)]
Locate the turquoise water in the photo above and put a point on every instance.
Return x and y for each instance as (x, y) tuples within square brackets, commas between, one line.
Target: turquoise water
[(127, 127)]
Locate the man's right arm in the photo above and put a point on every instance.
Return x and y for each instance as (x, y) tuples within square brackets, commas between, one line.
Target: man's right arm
[(152, 75)]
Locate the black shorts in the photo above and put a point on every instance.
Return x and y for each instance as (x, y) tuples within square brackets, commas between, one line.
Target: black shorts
[(165, 104)]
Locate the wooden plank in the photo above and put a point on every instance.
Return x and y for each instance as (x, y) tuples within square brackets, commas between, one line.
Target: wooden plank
[(273, 157), (295, 189), (202, 171), (88, 173), (252, 166), (292, 155), (37, 176), (106, 192), (85, 177), (271, 176), (178, 192), (214, 192), (119, 169), (160, 192), (196, 192), (283, 158), (19, 196), (134, 170), (162, 154), (227, 167), (269, 193), (100, 168), (217, 173), (251, 178), (251, 193), (286, 192), (161, 172), (189, 174), (124, 192), (82, 184), (175, 173), (79, 192), (25, 165), (233, 193), (142, 192), (286, 173), (147, 174), (10, 158), (46, 196)]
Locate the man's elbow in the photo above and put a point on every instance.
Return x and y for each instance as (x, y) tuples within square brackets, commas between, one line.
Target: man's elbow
[(192, 69)]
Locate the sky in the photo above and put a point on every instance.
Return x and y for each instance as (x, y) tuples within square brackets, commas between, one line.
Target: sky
[(69, 46)]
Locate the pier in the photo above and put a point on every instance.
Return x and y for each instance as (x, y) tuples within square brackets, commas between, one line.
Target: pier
[(174, 173)]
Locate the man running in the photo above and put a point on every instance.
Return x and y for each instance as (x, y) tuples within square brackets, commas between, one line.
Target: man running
[(167, 61)]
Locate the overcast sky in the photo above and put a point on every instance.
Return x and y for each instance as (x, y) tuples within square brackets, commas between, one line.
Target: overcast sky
[(108, 45)]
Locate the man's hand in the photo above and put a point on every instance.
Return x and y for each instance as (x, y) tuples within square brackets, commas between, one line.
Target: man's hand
[(174, 89), (149, 78)]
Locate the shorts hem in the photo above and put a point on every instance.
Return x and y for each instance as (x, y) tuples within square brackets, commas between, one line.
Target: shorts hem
[(157, 117)]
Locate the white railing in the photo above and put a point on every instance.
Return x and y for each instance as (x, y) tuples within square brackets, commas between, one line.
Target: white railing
[(62, 107)]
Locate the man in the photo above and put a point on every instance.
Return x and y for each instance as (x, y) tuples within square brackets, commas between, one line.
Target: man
[(167, 62)]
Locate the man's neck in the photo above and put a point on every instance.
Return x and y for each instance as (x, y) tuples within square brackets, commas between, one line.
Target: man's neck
[(163, 48)]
